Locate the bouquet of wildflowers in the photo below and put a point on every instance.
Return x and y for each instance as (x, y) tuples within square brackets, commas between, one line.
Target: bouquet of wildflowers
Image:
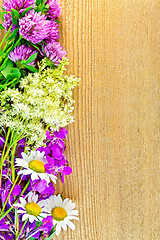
[(36, 105)]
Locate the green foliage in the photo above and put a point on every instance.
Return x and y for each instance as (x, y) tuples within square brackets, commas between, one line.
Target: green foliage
[(44, 99), (7, 68)]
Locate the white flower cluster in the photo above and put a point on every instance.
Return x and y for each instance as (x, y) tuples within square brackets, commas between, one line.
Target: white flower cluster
[(43, 100)]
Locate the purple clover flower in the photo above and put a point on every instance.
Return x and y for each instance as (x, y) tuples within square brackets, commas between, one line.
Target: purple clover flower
[(19, 5), (20, 53), (7, 22), (34, 27), (54, 9), (55, 52), (53, 32)]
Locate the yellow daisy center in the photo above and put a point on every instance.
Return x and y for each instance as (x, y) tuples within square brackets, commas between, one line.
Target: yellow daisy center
[(33, 209), (37, 166), (59, 214)]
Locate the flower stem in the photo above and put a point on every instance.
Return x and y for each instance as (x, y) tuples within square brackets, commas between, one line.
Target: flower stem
[(12, 161), (6, 35), (10, 209), (3, 157), (21, 229), (10, 192)]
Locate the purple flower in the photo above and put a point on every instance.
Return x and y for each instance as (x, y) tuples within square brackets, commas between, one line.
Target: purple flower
[(53, 32), (34, 27), (7, 22), (39, 185), (16, 190), (2, 141), (3, 225), (47, 224), (44, 149), (54, 9), (67, 170), (21, 53), (55, 52), (19, 5), (62, 133), (48, 191), (56, 151)]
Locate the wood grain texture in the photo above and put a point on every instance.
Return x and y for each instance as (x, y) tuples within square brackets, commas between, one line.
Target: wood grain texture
[(113, 146)]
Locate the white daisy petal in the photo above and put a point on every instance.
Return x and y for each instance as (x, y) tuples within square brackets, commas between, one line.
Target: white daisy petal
[(31, 218), (18, 205), (58, 229), (70, 224), (35, 198), (21, 211), (30, 197), (25, 216), (43, 215), (73, 212), (23, 201), (34, 176), (64, 226)]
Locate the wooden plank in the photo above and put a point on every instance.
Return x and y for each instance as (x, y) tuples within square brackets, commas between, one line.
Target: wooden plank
[(113, 146)]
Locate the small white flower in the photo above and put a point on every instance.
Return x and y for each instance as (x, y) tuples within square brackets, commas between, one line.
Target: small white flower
[(31, 209), (34, 165), (61, 211)]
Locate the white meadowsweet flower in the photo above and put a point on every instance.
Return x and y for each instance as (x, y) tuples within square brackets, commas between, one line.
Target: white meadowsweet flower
[(31, 209), (34, 165), (61, 211)]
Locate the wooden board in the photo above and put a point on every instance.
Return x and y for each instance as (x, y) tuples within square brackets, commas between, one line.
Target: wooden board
[(113, 146)]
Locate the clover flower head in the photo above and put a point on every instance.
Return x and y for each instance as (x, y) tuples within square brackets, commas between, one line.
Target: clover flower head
[(7, 22), (53, 31), (19, 5), (54, 9), (55, 52), (20, 53), (34, 27)]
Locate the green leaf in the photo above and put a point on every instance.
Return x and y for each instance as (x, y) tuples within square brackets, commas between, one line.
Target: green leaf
[(16, 13), (8, 68), (2, 14), (13, 34), (57, 21), (14, 74), (14, 20), (31, 68), (1, 26), (26, 11), (31, 58)]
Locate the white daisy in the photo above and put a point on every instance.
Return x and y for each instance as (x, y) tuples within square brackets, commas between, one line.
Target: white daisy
[(34, 165), (61, 211), (31, 209)]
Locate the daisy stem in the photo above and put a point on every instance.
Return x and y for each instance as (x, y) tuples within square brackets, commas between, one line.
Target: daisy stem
[(17, 223), (17, 227), (21, 229)]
